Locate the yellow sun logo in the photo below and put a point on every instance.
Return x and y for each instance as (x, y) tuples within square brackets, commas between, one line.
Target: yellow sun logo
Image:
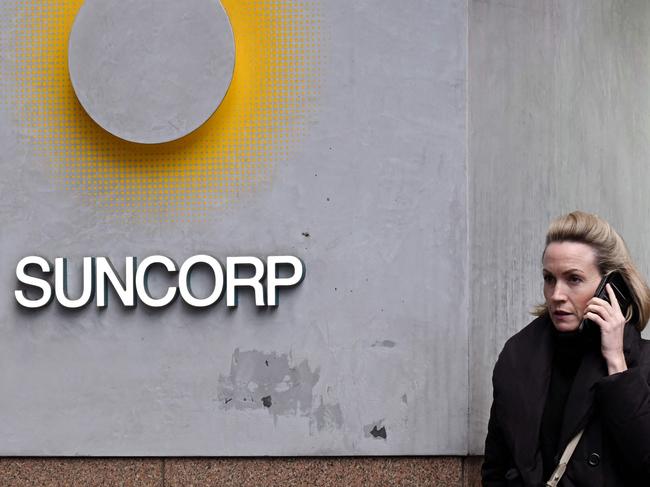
[(273, 94)]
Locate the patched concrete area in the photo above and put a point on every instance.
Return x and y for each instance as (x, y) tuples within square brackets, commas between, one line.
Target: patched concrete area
[(268, 380)]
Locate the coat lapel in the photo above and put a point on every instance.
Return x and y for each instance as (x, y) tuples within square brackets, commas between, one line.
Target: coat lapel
[(579, 405)]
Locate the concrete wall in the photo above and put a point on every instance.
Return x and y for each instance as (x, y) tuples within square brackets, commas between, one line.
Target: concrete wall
[(367, 356), (558, 120), (399, 320)]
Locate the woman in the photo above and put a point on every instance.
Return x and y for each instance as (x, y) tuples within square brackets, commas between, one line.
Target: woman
[(553, 380)]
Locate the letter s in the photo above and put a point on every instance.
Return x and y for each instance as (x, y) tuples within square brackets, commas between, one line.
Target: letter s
[(36, 282)]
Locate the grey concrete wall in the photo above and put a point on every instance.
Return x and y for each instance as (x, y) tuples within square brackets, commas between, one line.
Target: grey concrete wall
[(398, 322), (558, 120), (373, 201)]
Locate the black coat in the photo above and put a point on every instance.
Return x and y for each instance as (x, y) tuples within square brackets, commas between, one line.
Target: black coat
[(614, 410)]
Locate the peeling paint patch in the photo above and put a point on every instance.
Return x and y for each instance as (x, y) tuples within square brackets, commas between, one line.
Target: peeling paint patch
[(375, 430), (328, 416), (384, 343), (255, 377)]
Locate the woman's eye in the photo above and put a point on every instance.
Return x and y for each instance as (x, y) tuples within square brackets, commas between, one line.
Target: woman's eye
[(548, 278), (576, 279)]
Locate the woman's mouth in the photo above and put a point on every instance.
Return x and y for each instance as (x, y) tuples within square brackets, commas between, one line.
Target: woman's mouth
[(561, 314)]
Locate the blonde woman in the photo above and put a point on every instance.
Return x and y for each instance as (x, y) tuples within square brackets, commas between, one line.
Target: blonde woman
[(553, 380)]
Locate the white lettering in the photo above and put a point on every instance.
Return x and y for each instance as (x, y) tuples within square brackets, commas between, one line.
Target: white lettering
[(61, 283), (124, 290), (185, 285), (36, 282), (98, 275), (273, 281), (142, 288), (234, 281)]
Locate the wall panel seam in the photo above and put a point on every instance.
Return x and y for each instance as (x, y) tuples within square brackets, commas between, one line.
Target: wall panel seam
[(468, 229)]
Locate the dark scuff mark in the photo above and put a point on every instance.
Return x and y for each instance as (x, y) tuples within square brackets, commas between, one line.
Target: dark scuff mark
[(384, 343), (306, 234), (376, 430), (266, 362), (266, 401), (405, 399), (378, 433), (228, 399)]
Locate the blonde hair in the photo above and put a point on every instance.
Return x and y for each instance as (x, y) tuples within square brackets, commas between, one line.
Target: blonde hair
[(611, 255)]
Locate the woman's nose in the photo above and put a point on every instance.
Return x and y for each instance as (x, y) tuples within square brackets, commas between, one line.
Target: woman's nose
[(559, 293)]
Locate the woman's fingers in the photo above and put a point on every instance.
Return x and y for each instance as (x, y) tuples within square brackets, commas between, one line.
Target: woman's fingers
[(600, 308), (610, 316), (596, 318), (610, 320), (612, 297)]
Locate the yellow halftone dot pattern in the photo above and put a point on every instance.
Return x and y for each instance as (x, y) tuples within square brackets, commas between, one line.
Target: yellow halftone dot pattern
[(265, 112)]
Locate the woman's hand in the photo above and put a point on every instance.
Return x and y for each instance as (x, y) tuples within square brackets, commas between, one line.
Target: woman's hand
[(611, 321)]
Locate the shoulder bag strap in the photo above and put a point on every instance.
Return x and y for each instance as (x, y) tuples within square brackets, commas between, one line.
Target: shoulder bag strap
[(564, 459)]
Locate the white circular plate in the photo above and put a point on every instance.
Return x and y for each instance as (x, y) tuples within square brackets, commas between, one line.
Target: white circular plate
[(151, 71)]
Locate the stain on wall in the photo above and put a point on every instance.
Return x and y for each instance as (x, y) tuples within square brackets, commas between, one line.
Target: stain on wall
[(267, 380), (327, 416), (375, 430)]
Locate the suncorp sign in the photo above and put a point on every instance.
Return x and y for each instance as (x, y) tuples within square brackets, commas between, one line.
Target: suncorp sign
[(99, 274)]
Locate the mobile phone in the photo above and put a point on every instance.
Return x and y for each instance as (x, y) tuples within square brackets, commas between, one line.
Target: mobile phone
[(621, 291)]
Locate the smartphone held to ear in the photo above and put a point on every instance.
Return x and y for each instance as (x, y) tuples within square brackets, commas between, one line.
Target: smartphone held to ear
[(621, 291)]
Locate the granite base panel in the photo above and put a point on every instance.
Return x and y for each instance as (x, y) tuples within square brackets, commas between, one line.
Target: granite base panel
[(187, 472)]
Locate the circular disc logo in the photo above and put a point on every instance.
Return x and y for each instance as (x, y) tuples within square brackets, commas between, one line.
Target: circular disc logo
[(151, 71), (147, 72)]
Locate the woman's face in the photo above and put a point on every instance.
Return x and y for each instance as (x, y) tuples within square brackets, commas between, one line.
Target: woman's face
[(570, 281)]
